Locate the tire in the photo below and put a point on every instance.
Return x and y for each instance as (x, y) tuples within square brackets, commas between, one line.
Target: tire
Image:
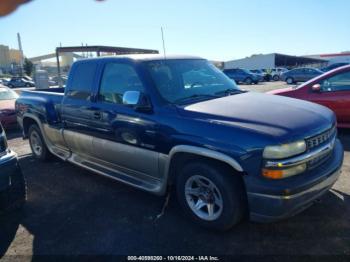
[(289, 80), (228, 194), (248, 81), (276, 78), (27, 85), (37, 144), (10, 86), (15, 196)]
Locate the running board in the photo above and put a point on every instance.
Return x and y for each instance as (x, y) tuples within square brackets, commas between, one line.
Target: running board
[(61, 153), (149, 184)]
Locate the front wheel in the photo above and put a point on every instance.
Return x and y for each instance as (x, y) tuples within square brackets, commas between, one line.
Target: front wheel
[(290, 80), (211, 195), (37, 144)]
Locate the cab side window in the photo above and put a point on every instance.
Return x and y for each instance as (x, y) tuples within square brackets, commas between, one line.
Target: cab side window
[(83, 80), (116, 80), (339, 82)]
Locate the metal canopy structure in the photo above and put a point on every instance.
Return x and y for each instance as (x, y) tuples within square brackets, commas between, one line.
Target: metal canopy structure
[(282, 60), (99, 50)]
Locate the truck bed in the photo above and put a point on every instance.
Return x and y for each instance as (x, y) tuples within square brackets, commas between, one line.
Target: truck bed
[(44, 103)]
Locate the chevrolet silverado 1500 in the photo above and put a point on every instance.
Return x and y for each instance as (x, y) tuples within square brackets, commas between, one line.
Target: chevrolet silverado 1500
[(154, 122)]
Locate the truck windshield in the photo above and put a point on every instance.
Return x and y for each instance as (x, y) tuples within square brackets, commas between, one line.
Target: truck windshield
[(184, 80)]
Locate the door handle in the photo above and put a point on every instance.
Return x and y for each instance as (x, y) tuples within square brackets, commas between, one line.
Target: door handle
[(97, 115)]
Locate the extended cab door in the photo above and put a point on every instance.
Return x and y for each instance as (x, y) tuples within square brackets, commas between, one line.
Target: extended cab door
[(123, 137), (335, 94), (76, 108)]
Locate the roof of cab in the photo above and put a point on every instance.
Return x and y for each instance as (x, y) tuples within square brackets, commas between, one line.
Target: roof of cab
[(145, 57)]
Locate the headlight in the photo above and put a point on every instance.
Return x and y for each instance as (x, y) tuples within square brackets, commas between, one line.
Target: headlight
[(285, 150)]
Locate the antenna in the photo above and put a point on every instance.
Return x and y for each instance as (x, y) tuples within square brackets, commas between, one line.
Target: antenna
[(163, 42)]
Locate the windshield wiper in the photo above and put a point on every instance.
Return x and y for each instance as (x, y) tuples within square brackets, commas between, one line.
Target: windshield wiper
[(194, 97), (229, 92)]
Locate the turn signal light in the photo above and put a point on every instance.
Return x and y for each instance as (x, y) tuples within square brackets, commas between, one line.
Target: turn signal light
[(272, 174), (283, 173)]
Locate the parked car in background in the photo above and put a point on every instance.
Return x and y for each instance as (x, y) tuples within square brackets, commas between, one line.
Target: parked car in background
[(277, 72), (8, 117), (331, 89), (27, 78), (20, 82), (261, 73), (4, 81), (56, 80), (242, 76), (333, 66), (52, 82), (12, 182), (301, 74), (228, 153)]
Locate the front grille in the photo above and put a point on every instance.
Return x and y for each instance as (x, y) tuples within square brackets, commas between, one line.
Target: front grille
[(319, 160), (320, 139)]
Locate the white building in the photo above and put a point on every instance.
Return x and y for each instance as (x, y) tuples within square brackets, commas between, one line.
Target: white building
[(343, 57), (268, 61)]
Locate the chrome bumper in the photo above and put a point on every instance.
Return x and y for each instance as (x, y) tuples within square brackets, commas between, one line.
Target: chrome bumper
[(286, 197)]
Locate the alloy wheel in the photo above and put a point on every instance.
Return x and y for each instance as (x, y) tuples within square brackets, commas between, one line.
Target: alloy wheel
[(203, 198)]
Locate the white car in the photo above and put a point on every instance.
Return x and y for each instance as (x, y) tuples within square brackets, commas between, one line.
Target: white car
[(276, 73)]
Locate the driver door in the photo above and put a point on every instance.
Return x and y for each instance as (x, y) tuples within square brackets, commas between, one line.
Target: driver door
[(123, 137)]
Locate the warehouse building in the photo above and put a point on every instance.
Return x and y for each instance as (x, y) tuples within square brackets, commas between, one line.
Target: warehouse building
[(343, 57), (274, 60)]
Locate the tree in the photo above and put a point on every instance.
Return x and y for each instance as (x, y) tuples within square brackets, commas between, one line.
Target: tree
[(28, 67)]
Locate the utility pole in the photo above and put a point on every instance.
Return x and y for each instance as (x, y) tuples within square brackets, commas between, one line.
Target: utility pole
[(21, 52)]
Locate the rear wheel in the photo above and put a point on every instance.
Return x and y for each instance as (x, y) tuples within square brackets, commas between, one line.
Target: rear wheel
[(27, 85), (289, 80), (10, 86), (211, 195), (37, 143), (276, 78)]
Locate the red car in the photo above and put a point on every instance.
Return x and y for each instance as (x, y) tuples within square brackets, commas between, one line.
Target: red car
[(331, 89), (7, 107)]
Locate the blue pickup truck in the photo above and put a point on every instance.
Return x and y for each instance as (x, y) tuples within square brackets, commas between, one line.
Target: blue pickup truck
[(178, 122)]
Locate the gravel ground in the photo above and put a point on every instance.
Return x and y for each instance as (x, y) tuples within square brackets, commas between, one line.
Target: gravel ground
[(73, 212)]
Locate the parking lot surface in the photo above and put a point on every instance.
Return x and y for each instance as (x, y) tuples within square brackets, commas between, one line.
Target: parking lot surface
[(71, 211)]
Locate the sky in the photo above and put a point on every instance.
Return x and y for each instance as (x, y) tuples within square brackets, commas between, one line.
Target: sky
[(214, 29)]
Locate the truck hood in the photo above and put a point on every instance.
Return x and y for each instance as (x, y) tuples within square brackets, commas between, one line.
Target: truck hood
[(283, 119)]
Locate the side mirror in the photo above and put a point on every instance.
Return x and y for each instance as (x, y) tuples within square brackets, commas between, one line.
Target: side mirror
[(137, 100), (316, 88)]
